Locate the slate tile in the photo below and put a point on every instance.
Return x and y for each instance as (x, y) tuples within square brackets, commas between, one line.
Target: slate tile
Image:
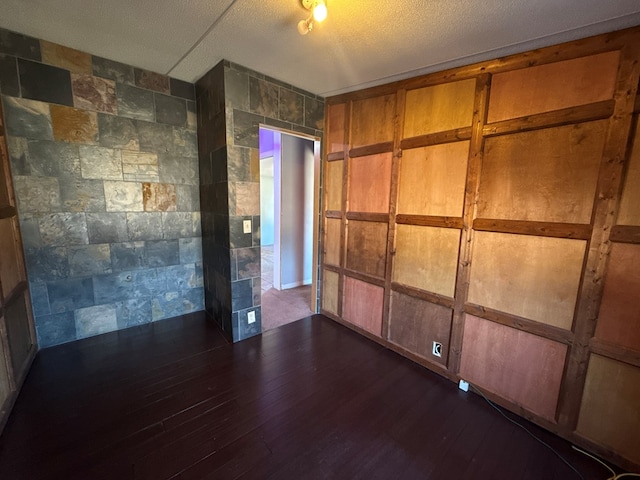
[(245, 128), (313, 113), (241, 295), (134, 102), (166, 305), (55, 329), (193, 300), (81, 195), (190, 250), (18, 151), (39, 299), (278, 124), (94, 93), (178, 170), (30, 231), (248, 262), (140, 166), (144, 226), (61, 229), (118, 287), (263, 97), (73, 125), (123, 196), (37, 194), (256, 234), (27, 118), (188, 198), (119, 72), (70, 294), (236, 86), (192, 117), (89, 260), (247, 198), (9, 84), (118, 132), (100, 163), (65, 57), (257, 290), (151, 80), (161, 253), (159, 197), (154, 137), (255, 165), (291, 108), (237, 237), (177, 225), (133, 312), (184, 143), (52, 159), (170, 110), (45, 83), (107, 227), (47, 263), (220, 161), (128, 256), (95, 320), (180, 88), (19, 45), (238, 163), (246, 329), (182, 277)]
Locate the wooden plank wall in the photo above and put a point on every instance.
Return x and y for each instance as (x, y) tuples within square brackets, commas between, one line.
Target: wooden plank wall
[(495, 209)]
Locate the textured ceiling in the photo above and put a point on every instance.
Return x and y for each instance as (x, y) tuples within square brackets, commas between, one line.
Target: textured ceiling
[(359, 45)]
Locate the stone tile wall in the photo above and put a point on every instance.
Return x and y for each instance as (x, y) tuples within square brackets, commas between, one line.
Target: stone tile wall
[(105, 168)]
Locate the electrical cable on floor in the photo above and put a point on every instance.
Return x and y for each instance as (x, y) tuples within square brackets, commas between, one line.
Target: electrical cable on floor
[(527, 430), (615, 476)]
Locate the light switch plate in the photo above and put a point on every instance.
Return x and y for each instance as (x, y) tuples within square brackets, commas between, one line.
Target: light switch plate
[(246, 226)]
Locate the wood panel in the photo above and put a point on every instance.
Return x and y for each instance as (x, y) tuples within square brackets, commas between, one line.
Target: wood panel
[(18, 333), (333, 184), (630, 204), (527, 176), (432, 180), (438, 108), (11, 273), (554, 86), (521, 367), (362, 305), (372, 120), (330, 283), (367, 247), (370, 183), (427, 258), (416, 324), (619, 317), (335, 132), (332, 241), (609, 410), (5, 382), (532, 277)]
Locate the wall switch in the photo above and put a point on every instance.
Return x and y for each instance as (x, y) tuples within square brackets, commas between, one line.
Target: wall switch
[(246, 226), (251, 317), (464, 386), (437, 349)]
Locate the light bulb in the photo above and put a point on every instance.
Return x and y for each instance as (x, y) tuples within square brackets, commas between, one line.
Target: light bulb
[(303, 27), (319, 11)]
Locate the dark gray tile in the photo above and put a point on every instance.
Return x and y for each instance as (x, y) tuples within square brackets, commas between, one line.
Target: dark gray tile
[(155, 137), (63, 229), (151, 80), (18, 151), (313, 113), (177, 170), (45, 83), (118, 132), (248, 262), (89, 260), (278, 123), (128, 256), (134, 102), (107, 227), (234, 265), (241, 295), (118, 287), (238, 164), (193, 300), (255, 241), (237, 237), (70, 294), (37, 194), (167, 305), (19, 45), (218, 164), (52, 159), (27, 118), (188, 198), (245, 128), (246, 329), (39, 299), (236, 86), (144, 226), (47, 263), (171, 110), (184, 143), (161, 253), (190, 250), (291, 106), (9, 84), (81, 195), (263, 97), (177, 225), (119, 72), (182, 89), (305, 130), (130, 313), (30, 230), (182, 277), (55, 329)]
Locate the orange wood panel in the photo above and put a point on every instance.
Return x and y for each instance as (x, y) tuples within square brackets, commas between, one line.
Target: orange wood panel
[(335, 135), (630, 203), (332, 241), (367, 247), (363, 305), (415, 324), (545, 175), (330, 283), (553, 86), (521, 367), (619, 318), (373, 120), (370, 183), (532, 277), (609, 412), (427, 258), (11, 272), (333, 184), (439, 108), (432, 180)]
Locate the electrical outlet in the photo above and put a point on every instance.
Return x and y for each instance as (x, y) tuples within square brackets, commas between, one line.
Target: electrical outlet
[(251, 317), (464, 386), (246, 226), (437, 349)]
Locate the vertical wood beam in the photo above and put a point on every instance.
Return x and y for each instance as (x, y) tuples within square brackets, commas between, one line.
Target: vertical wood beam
[(348, 108)]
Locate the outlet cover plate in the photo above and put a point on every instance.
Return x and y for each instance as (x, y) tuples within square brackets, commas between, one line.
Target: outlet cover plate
[(251, 317), (464, 386), (246, 226)]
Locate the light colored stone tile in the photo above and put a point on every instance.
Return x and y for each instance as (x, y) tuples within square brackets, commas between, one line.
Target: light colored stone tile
[(37, 194), (100, 163), (64, 229), (159, 197), (139, 158), (123, 196), (247, 198), (95, 320), (65, 57)]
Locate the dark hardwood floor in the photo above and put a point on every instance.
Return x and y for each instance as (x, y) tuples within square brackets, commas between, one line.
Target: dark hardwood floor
[(303, 401)]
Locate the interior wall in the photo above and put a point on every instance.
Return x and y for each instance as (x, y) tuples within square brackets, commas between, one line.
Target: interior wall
[(494, 209), (104, 164)]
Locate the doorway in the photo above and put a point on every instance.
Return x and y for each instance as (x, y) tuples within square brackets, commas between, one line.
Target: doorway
[(289, 166)]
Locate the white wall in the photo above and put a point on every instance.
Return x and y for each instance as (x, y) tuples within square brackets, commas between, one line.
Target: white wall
[(267, 205)]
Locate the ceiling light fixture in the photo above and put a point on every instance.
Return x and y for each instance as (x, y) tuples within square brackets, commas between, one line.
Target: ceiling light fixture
[(318, 13)]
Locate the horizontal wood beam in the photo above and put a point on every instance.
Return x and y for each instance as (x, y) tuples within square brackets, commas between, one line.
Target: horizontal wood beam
[(379, 281), (14, 295), (8, 211), (332, 268), (625, 234), (374, 149), (449, 136), (335, 156), (333, 214), (542, 229), (616, 352), (430, 221), (368, 217), (423, 295)]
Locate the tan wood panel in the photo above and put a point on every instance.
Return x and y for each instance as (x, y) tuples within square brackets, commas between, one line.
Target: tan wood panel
[(332, 241), (630, 203), (333, 184), (545, 175), (532, 277), (363, 305), (619, 317), (335, 135), (553, 86), (372, 120), (330, 283), (609, 411), (370, 183), (415, 324), (439, 108), (523, 368), (427, 258), (432, 180), (367, 247), (11, 273)]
